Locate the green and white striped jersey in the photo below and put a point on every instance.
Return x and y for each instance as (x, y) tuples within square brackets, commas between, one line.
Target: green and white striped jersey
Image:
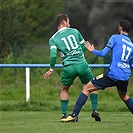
[(68, 42)]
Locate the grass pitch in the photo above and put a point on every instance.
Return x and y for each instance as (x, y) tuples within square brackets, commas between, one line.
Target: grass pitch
[(49, 122)]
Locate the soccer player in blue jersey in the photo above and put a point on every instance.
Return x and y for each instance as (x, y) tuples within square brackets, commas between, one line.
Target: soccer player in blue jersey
[(70, 43), (119, 71)]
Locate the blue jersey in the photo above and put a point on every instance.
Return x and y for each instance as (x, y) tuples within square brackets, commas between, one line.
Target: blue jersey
[(122, 55)]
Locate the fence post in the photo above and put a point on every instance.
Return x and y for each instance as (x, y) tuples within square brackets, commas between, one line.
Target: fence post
[(28, 66), (27, 84)]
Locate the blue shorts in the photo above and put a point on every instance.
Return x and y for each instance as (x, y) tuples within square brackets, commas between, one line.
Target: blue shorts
[(103, 81)]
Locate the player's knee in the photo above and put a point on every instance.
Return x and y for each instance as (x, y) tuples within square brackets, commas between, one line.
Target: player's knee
[(85, 90), (64, 88), (89, 88), (124, 97)]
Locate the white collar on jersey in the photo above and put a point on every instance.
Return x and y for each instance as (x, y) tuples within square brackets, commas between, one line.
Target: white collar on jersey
[(63, 28)]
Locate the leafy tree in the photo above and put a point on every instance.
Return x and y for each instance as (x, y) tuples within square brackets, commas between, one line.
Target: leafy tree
[(26, 22), (78, 14), (97, 20), (105, 16)]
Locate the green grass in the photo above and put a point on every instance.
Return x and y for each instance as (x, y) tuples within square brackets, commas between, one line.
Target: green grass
[(45, 98), (54, 105), (43, 112), (48, 122)]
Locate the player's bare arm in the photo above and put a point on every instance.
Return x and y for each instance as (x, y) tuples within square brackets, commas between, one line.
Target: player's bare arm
[(89, 46)]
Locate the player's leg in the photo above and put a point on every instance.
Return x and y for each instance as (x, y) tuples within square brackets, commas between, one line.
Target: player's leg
[(127, 100), (86, 76), (64, 99), (94, 100), (100, 82), (94, 103), (82, 99), (122, 91), (67, 78)]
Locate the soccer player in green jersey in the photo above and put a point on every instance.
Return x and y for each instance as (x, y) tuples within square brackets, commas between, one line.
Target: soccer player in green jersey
[(70, 43)]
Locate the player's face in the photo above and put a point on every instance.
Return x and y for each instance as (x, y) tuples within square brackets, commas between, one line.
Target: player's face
[(120, 29)]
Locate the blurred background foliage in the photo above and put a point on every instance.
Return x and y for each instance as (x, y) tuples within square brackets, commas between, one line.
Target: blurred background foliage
[(27, 25)]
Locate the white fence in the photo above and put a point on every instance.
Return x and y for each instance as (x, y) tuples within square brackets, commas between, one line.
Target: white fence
[(28, 66)]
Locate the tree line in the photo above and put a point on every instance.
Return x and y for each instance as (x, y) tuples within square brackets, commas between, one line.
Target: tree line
[(32, 22)]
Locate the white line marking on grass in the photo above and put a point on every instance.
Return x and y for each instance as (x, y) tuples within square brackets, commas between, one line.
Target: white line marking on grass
[(15, 122), (121, 114)]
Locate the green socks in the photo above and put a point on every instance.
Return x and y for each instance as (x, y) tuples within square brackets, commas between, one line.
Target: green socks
[(94, 101), (64, 105)]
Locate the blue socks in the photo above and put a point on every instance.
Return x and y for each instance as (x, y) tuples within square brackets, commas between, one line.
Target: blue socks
[(129, 104), (83, 98), (79, 103)]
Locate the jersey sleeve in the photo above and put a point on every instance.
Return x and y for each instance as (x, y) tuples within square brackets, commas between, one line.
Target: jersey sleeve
[(83, 47), (101, 53), (111, 42), (104, 51), (82, 42), (53, 53)]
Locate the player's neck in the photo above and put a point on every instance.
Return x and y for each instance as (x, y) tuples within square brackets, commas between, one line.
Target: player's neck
[(61, 26), (123, 32)]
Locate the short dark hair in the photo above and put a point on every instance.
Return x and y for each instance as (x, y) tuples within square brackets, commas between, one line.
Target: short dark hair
[(60, 18), (126, 25)]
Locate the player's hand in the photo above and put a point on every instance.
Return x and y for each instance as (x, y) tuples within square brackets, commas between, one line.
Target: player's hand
[(89, 46), (47, 74)]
